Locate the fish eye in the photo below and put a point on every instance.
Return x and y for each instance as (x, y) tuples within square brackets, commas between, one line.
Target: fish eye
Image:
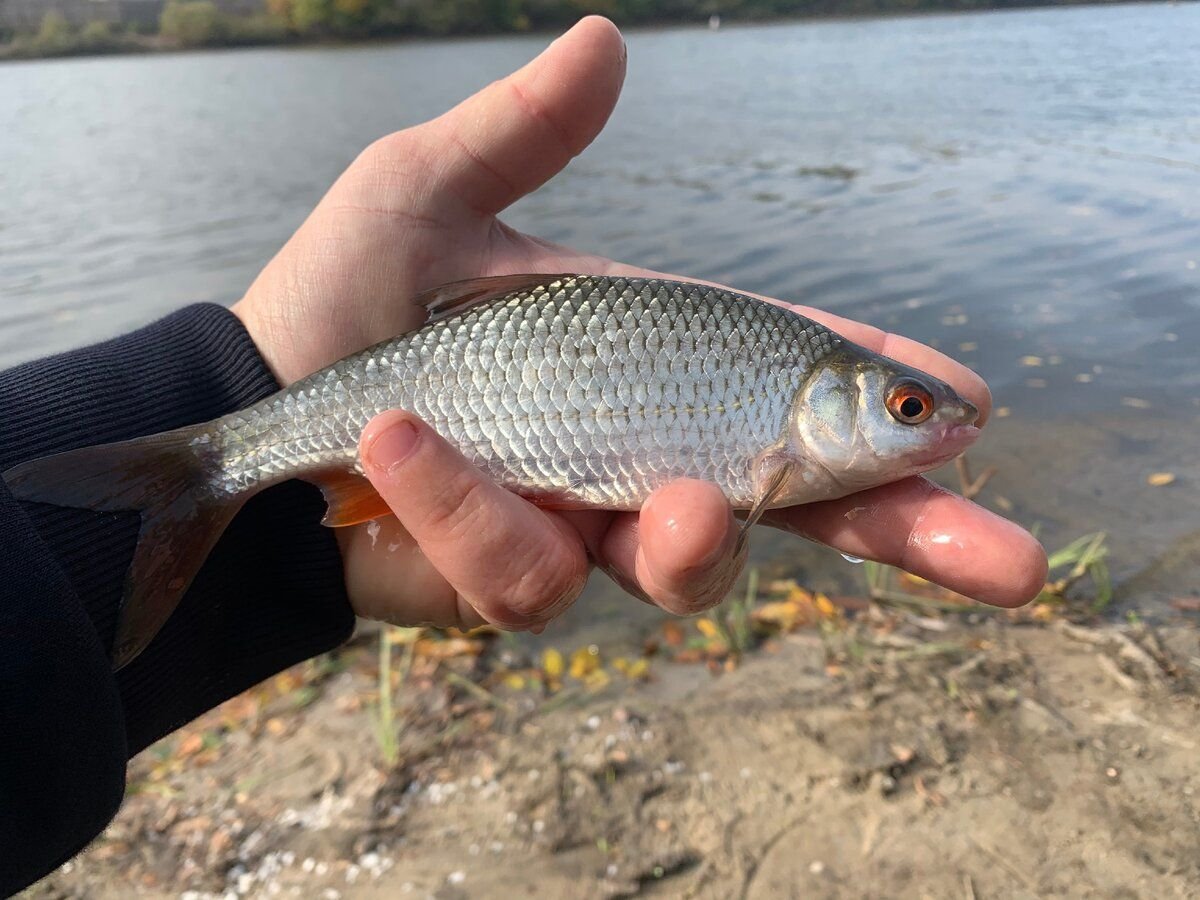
[(909, 402)]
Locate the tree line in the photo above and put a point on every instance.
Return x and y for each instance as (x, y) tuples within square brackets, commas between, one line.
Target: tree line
[(203, 23)]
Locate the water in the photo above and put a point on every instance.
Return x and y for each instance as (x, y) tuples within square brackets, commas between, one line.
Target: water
[(1021, 189)]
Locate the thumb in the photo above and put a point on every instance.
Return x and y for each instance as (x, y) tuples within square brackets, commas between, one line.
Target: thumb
[(517, 133)]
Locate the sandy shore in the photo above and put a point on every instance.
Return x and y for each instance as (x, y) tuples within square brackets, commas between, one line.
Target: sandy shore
[(895, 755)]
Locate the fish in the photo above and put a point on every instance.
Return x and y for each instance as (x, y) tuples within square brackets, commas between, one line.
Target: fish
[(574, 391)]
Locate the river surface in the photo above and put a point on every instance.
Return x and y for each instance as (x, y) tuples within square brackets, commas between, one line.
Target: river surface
[(1021, 189)]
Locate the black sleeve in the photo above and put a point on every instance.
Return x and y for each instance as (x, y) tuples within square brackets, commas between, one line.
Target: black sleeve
[(270, 595)]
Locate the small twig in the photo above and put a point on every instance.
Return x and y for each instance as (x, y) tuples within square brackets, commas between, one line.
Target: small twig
[(1006, 865), (479, 693), (1125, 647), (969, 486), (968, 887), (1114, 671), (911, 601), (963, 669)]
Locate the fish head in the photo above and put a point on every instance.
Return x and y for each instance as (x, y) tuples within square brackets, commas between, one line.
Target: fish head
[(862, 420)]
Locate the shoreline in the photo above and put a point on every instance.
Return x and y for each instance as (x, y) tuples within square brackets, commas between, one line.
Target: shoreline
[(892, 752), (156, 45)]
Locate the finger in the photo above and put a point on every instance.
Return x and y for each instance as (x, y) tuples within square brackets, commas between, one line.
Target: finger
[(515, 134), (514, 564), (919, 527), (388, 578), (678, 550)]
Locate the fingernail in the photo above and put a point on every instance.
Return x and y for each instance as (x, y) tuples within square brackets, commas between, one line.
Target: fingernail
[(393, 446)]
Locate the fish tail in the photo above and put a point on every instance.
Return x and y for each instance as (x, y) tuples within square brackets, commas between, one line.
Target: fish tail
[(171, 479)]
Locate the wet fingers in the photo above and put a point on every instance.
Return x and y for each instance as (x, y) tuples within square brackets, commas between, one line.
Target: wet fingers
[(515, 565)]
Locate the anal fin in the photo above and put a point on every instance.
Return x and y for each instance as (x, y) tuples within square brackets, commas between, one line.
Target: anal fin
[(350, 498)]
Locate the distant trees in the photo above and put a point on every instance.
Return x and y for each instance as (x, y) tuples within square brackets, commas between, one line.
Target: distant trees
[(192, 23), (55, 33), (197, 23)]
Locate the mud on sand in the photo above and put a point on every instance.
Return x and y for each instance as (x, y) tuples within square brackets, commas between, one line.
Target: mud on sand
[(931, 758)]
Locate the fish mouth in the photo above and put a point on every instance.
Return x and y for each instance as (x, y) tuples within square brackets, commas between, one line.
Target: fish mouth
[(955, 439)]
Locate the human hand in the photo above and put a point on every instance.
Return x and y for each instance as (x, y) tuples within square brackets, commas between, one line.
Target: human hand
[(418, 209)]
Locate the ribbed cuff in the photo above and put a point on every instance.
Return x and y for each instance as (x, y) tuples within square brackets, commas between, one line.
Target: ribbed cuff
[(271, 593)]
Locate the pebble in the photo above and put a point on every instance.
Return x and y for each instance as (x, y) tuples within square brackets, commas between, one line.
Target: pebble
[(457, 877), (816, 867)]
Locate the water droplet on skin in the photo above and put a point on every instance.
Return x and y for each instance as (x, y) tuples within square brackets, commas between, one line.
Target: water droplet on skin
[(852, 559)]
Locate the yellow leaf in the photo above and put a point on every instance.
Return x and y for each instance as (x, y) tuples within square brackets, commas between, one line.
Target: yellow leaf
[(286, 682), (824, 607), (1042, 612), (708, 628), (640, 669), (597, 679), (584, 662), (517, 682), (1031, 361), (797, 594), (552, 663), (781, 614), (1161, 479), (621, 664)]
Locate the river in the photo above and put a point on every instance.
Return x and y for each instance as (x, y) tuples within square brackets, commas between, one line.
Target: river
[(1019, 188)]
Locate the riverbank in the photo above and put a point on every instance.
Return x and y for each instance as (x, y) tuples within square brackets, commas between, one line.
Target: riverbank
[(859, 750), (207, 27)]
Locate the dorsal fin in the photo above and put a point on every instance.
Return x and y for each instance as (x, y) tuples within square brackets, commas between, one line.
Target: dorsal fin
[(450, 299)]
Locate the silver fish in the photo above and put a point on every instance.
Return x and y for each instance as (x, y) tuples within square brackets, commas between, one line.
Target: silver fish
[(575, 391)]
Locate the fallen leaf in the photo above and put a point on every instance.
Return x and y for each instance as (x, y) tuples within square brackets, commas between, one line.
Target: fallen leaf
[(448, 649), (708, 628), (1160, 479), (552, 663), (673, 634), (1031, 361), (782, 614), (189, 744), (584, 662)]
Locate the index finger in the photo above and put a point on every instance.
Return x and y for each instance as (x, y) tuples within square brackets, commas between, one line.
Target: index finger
[(919, 527)]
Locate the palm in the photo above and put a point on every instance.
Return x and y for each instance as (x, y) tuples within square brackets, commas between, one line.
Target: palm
[(418, 209)]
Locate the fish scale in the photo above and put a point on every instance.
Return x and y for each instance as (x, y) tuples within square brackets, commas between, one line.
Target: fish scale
[(590, 391)]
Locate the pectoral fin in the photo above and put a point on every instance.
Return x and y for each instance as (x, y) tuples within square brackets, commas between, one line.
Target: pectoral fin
[(772, 470)]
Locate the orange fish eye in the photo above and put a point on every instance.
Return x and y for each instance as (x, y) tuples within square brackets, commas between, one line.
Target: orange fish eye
[(909, 402)]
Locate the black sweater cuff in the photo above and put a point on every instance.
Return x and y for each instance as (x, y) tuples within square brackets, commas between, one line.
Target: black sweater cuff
[(271, 593)]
